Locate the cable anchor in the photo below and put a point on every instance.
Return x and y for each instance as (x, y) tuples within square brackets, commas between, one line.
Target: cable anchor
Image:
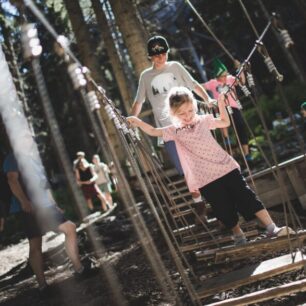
[(286, 38), (76, 74), (30, 41), (93, 100)]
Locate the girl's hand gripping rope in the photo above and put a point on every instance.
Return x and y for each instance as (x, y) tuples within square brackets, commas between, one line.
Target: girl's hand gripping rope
[(147, 128)]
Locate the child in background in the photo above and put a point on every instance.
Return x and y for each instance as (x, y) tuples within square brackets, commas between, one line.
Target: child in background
[(222, 81), (103, 180), (207, 167)]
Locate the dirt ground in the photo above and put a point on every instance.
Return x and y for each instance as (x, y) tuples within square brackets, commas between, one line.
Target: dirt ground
[(123, 255)]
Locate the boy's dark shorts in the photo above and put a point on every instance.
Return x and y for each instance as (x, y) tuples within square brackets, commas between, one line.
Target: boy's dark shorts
[(49, 220)]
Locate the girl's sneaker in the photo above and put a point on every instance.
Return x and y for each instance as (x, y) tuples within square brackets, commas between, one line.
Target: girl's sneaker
[(281, 231)]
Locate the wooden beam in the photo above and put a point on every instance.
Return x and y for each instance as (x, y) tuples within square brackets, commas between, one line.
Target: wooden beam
[(203, 235), (179, 190), (177, 182), (265, 295), (182, 205), (182, 195), (234, 253), (250, 274), (214, 242), (259, 247)]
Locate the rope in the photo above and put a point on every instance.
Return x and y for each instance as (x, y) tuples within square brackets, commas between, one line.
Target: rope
[(280, 176), (210, 31)]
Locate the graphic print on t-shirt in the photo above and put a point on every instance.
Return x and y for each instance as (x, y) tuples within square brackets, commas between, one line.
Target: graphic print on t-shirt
[(222, 89), (162, 83)]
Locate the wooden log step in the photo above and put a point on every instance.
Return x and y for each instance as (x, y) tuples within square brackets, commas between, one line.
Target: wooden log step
[(187, 204), (215, 242), (176, 213), (182, 213), (193, 228), (227, 254), (265, 294), (182, 205), (250, 274), (203, 235), (179, 190), (181, 195), (177, 182)]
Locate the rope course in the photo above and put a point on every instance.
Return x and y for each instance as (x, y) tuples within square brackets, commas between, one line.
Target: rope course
[(191, 239)]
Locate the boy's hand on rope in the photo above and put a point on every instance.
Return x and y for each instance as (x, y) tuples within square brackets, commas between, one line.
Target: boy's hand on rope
[(221, 100), (237, 64), (212, 103)]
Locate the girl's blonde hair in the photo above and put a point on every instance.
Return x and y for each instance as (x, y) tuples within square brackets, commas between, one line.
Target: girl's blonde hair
[(176, 98)]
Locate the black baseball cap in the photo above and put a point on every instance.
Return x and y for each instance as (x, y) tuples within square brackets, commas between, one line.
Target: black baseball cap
[(157, 45)]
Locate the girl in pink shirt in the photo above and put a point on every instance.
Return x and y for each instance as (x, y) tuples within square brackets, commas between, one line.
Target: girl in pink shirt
[(220, 84), (207, 166)]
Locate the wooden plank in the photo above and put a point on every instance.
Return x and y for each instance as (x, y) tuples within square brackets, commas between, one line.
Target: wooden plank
[(211, 222), (218, 231), (265, 295), (214, 242), (177, 182), (250, 274), (179, 190), (189, 203), (182, 205), (232, 253), (192, 227), (257, 247), (181, 213), (182, 195)]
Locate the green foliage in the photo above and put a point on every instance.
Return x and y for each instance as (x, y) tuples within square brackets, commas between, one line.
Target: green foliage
[(295, 92), (57, 5)]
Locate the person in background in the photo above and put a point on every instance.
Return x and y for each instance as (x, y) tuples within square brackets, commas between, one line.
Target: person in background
[(79, 156), (38, 219), (219, 84), (86, 178), (103, 180), (207, 167)]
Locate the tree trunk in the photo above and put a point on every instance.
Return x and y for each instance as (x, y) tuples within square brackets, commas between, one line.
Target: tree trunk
[(82, 36), (133, 33), (112, 53), (90, 60)]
